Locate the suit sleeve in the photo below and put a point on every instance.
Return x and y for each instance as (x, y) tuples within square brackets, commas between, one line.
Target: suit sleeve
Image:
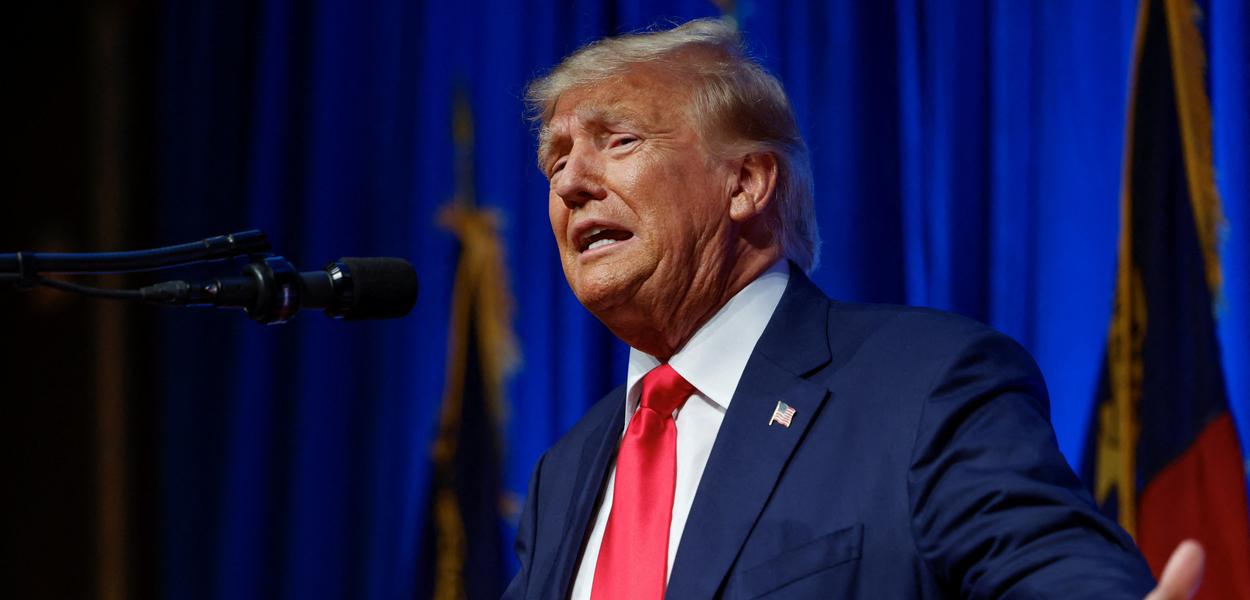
[(526, 529), (996, 511)]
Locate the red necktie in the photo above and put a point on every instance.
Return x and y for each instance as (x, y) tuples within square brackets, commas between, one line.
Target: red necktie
[(633, 558)]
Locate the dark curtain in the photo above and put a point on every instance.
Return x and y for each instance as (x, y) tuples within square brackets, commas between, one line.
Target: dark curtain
[(967, 156)]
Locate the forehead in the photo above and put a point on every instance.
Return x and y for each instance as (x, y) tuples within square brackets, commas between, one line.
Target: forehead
[(640, 96)]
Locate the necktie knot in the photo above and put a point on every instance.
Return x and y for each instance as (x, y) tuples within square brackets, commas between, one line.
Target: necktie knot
[(664, 391)]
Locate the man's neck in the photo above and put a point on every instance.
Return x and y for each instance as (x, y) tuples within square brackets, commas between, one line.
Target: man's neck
[(668, 329)]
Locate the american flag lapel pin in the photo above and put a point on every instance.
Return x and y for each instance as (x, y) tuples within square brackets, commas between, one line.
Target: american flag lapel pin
[(782, 414)]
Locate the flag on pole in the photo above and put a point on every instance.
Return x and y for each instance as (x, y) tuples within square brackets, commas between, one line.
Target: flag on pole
[(1162, 455), (464, 543)]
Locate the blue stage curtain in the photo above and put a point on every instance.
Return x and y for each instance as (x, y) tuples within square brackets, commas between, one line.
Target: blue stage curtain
[(967, 156)]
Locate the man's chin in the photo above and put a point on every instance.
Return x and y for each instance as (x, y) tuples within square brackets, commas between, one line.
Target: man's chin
[(599, 298), (603, 293), (606, 285)]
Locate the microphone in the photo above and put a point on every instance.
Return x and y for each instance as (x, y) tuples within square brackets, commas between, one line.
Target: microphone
[(271, 291)]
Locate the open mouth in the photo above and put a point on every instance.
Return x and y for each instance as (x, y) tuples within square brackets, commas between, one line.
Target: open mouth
[(601, 237)]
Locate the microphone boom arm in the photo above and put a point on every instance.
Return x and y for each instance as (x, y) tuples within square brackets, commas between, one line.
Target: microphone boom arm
[(269, 289), (21, 269)]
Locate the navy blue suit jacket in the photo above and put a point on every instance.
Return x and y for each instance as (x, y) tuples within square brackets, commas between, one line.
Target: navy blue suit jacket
[(920, 463)]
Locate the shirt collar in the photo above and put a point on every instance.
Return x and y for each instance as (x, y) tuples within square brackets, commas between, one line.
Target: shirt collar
[(716, 355)]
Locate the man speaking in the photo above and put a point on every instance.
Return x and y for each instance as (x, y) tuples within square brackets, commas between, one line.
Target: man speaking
[(769, 442)]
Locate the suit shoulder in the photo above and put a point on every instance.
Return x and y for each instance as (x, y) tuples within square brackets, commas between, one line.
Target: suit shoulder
[(920, 340), (910, 325), (851, 324)]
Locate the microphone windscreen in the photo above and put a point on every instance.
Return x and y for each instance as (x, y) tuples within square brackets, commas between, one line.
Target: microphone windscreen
[(382, 288)]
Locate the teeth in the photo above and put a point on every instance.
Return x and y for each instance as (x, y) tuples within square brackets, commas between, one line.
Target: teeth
[(600, 244), (595, 231)]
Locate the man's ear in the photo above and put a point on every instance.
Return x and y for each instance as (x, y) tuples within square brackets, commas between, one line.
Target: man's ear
[(756, 186)]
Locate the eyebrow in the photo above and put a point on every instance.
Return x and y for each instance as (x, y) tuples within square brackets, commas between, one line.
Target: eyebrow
[(610, 116)]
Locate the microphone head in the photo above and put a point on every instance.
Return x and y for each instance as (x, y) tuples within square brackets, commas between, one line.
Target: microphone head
[(381, 288)]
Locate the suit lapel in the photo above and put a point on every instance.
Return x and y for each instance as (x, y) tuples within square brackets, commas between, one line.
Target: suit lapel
[(600, 446), (749, 454)]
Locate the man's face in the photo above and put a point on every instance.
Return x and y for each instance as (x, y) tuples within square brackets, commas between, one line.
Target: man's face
[(639, 208)]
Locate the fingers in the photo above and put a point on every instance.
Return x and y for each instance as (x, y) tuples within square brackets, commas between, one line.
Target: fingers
[(1182, 574)]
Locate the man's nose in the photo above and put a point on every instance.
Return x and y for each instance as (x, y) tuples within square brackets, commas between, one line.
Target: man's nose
[(581, 179)]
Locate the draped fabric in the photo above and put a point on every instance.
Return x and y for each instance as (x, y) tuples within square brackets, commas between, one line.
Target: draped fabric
[(967, 156), (1163, 455)]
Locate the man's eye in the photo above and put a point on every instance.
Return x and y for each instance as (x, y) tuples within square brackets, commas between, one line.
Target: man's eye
[(623, 140), (556, 168)]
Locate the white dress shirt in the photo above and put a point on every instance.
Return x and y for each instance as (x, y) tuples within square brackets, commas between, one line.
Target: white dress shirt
[(712, 361)]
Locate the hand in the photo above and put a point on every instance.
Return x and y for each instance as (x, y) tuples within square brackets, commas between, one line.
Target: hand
[(1182, 574)]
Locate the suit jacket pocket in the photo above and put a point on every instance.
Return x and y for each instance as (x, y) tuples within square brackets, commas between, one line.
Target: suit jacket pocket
[(841, 546)]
